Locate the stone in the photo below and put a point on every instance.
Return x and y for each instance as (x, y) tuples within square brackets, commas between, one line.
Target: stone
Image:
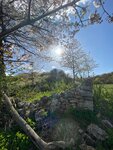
[(97, 132), (20, 104), (39, 115), (17, 100), (88, 139), (85, 93), (72, 141), (88, 105), (98, 115), (43, 102), (79, 97), (27, 113), (27, 105), (107, 124), (33, 106), (86, 147), (80, 131), (54, 105), (21, 111)]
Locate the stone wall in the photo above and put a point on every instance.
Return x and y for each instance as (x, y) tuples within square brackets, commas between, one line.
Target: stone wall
[(80, 97)]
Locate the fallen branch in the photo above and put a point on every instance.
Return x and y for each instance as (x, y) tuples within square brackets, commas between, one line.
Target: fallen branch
[(38, 142)]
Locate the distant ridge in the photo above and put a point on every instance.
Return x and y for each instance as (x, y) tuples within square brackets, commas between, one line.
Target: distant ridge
[(106, 78)]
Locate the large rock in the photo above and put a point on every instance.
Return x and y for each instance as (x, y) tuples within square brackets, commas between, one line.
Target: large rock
[(40, 115), (86, 147), (45, 118), (20, 104), (55, 104), (107, 124), (23, 105), (88, 105), (88, 140), (79, 97), (21, 111), (97, 132)]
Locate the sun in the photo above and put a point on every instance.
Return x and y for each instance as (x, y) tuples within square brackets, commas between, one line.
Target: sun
[(59, 51)]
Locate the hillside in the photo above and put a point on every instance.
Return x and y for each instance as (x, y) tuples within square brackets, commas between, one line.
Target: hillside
[(106, 78), (29, 87)]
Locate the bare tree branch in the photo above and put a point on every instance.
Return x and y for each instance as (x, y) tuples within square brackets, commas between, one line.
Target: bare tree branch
[(104, 8), (29, 9), (31, 21)]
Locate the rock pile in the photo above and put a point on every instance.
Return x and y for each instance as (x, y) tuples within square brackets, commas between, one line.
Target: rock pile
[(93, 135), (80, 97)]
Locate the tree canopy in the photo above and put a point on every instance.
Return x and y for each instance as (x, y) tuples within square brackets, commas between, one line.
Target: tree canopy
[(75, 58)]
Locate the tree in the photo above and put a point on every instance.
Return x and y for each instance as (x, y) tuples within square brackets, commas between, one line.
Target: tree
[(23, 29), (76, 59), (89, 64)]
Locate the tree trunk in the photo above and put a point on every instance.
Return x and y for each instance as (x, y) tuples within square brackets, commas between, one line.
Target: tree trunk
[(38, 142), (73, 73), (2, 70), (2, 64)]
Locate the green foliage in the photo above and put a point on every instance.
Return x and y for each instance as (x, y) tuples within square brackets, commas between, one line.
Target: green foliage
[(10, 140), (104, 78), (31, 123), (100, 146), (103, 100), (84, 116), (109, 141), (45, 85), (108, 144)]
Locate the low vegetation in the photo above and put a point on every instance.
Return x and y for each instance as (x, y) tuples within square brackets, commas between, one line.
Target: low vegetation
[(103, 100), (45, 85), (29, 89), (104, 78)]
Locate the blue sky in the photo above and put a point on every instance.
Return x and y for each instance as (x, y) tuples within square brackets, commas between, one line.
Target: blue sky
[(98, 39)]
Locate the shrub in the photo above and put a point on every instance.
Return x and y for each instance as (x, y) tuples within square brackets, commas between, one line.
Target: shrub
[(108, 144), (103, 100), (109, 141), (84, 116), (11, 140)]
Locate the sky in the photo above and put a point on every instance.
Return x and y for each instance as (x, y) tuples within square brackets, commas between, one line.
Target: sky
[(98, 41)]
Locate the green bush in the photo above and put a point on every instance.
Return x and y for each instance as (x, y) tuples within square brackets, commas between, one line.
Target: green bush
[(11, 140), (84, 116), (108, 144), (109, 141), (103, 100), (31, 123)]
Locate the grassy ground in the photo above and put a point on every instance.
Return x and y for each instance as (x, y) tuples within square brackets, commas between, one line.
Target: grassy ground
[(23, 88), (103, 99)]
